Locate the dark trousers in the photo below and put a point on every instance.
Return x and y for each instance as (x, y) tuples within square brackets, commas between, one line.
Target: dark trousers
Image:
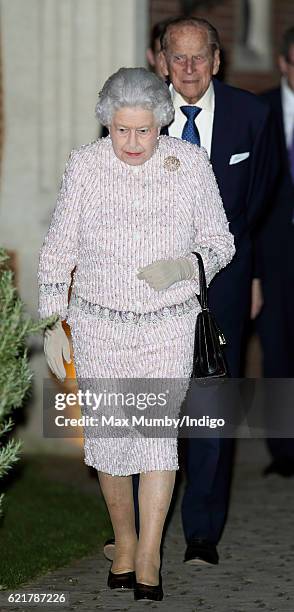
[(208, 466), (208, 461), (275, 327), (205, 501), (136, 481)]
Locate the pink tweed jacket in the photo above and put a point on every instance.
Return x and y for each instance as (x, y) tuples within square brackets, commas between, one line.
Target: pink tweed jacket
[(112, 218)]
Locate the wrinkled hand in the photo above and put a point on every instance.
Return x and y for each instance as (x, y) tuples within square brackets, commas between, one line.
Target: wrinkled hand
[(165, 272), (57, 347)]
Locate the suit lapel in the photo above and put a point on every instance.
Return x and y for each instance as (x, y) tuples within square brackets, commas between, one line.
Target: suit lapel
[(221, 145), (279, 107), (278, 104)]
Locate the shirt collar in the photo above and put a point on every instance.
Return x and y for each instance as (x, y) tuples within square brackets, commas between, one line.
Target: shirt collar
[(206, 102), (287, 93)]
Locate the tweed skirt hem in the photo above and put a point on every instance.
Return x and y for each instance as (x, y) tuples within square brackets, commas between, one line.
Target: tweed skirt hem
[(125, 456), (139, 469), (164, 351)]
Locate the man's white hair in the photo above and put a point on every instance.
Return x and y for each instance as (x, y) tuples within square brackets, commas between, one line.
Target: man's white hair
[(130, 87)]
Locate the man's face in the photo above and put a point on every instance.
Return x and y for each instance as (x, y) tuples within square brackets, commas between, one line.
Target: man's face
[(287, 67), (154, 58), (189, 62)]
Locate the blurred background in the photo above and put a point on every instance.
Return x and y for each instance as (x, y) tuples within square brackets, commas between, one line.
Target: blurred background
[(55, 56)]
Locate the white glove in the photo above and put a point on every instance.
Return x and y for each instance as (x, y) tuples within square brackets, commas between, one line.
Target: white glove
[(56, 346), (165, 272)]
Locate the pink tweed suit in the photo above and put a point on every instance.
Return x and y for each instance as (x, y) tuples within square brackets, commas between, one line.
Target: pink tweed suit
[(111, 219)]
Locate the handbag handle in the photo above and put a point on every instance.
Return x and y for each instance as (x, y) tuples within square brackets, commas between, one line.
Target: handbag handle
[(202, 283), (203, 294)]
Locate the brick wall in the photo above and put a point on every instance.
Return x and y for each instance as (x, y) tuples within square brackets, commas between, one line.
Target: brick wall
[(225, 17)]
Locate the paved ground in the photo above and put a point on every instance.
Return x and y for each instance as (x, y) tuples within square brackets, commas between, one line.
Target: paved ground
[(256, 556)]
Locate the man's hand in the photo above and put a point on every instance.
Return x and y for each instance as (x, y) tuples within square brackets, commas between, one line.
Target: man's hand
[(57, 347), (256, 298), (165, 272)]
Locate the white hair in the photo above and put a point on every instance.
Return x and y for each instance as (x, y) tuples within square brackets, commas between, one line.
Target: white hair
[(135, 87)]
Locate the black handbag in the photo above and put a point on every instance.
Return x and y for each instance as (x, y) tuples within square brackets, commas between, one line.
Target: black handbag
[(209, 361)]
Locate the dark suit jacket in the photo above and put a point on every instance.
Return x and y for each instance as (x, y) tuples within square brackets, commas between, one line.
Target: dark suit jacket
[(242, 124), (276, 230), (276, 256)]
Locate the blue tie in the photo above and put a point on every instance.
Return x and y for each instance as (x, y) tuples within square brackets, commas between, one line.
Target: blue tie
[(190, 131)]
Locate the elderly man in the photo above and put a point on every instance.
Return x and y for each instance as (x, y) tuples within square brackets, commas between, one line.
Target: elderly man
[(234, 127)]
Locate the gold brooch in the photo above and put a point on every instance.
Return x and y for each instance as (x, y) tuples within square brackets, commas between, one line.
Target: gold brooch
[(171, 163)]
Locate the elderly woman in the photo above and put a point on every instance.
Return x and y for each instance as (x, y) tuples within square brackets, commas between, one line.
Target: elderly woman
[(131, 209)]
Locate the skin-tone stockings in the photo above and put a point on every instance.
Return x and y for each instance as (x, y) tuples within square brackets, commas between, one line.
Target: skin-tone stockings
[(155, 493)]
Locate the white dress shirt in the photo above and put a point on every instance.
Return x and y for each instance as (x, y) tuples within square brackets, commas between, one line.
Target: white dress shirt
[(203, 121), (288, 111)]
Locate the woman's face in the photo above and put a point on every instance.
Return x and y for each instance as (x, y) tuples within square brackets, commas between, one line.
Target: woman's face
[(133, 132)]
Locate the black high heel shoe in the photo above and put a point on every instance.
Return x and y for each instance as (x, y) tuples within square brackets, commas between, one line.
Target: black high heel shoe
[(123, 581), (149, 591)]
